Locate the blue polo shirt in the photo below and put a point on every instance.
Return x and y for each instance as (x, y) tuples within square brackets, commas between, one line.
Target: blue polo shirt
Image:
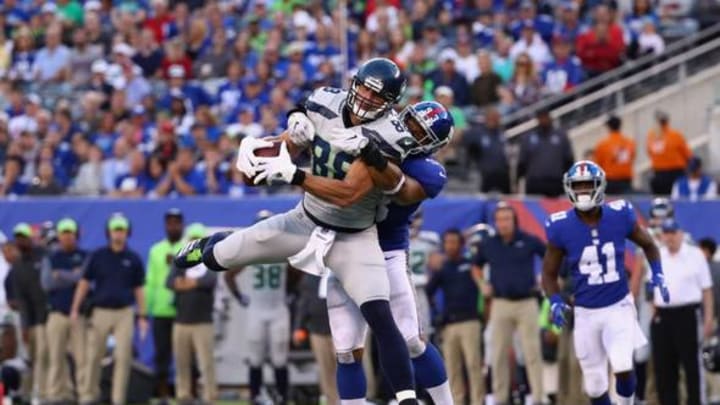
[(512, 265), (459, 290), (115, 276), (60, 298)]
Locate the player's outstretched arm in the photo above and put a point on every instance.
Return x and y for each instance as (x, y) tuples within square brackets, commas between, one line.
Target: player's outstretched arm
[(551, 269), (642, 238), (343, 193)]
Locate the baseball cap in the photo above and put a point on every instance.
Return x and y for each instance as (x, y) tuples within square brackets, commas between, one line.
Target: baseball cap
[(448, 54), (195, 230), (124, 49), (694, 164), (174, 213), (117, 222), (22, 229), (99, 67), (67, 225), (670, 225)]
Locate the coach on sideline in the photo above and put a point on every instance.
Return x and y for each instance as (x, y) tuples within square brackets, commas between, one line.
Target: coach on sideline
[(512, 284), (674, 329), (118, 275)]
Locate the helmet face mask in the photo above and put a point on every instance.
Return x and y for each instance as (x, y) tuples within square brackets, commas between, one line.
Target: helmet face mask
[(366, 103), (376, 86), (585, 185)]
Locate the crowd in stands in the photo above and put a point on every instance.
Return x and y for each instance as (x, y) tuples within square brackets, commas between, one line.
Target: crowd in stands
[(152, 97)]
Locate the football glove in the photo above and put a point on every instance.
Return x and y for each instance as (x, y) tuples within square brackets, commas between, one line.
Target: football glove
[(347, 141), (301, 129), (558, 308), (246, 159), (277, 170), (658, 280)]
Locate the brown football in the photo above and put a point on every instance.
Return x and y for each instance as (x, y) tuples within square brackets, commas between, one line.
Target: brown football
[(270, 151)]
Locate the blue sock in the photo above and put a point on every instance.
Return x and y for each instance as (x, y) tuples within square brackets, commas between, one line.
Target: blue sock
[(625, 387), (392, 349), (351, 381), (604, 399), (429, 368), (208, 256)]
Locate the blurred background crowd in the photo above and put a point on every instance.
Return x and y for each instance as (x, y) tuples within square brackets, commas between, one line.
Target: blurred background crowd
[(151, 98)]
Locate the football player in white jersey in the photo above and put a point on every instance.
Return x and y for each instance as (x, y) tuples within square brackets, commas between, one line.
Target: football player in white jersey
[(335, 233), (424, 246), (268, 321)]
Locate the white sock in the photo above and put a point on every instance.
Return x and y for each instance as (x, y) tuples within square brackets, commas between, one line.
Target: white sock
[(359, 401), (440, 394), (626, 400)]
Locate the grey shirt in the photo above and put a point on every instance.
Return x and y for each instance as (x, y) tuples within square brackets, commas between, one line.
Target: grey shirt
[(194, 306)]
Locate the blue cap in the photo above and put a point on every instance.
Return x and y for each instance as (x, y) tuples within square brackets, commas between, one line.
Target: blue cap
[(694, 164), (670, 225)]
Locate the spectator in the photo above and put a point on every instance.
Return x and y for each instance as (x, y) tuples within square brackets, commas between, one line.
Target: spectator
[(565, 71), (59, 281), (545, 156), (503, 62), (600, 48), (311, 318), (709, 247), (649, 41), (214, 62), (193, 331), (52, 63), (148, 54), (24, 278), (182, 178), (525, 85), (486, 145), (45, 183), (70, 11), (447, 75), (445, 96), (616, 155), (13, 184), (568, 25), (23, 56), (155, 171), (116, 273), (162, 22), (159, 297), (696, 185), (116, 166), (484, 90), (460, 320), (89, 180), (674, 332), (134, 182), (194, 94), (531, 44), (669, 154), (82, 57), (511, 282), (467, 61)]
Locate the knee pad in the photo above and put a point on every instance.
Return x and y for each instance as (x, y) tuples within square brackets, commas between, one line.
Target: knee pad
[(596, 383), (208, 256), (416, 346), (354, 356)]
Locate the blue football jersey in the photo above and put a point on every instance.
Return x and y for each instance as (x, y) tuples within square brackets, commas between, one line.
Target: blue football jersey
[(595, 254), (394, 230)]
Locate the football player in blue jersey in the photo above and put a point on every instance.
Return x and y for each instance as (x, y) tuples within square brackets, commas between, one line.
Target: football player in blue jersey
[(432, 126), (591, 237)]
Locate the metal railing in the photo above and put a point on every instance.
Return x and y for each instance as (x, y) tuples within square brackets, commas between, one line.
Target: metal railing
[(630, 82)]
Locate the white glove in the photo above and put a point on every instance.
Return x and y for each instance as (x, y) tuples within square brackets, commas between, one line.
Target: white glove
[(300, 129), (277, 170), (246, 159), (347, 141)]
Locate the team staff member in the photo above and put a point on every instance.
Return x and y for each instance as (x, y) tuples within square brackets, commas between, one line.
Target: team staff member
[(669, 155), (461, 321), (193, 331), (24, 280), (118, 275), (59, 281), (616, 154), (674, 330), (159, 298), (311, 317), (510, 254)]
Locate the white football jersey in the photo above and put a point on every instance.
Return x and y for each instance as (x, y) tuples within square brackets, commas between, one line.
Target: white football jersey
[(267, 285), (424, 244)]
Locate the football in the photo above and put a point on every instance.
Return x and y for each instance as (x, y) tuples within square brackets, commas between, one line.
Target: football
[(270, 151)]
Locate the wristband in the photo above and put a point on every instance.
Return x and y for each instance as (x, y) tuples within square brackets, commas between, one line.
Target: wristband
[(397, 187), (556, 299), (655, 267), (373, 157), (298, 177)]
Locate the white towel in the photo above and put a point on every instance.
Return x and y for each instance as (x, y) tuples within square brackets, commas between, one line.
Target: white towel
[(311, 259)]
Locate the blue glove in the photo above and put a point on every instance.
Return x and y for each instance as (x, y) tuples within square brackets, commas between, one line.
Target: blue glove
[(558, 308), (658, 280)]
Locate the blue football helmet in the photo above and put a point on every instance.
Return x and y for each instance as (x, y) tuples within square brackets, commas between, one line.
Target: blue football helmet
[(431, 125), (385, 79), (585, 185)]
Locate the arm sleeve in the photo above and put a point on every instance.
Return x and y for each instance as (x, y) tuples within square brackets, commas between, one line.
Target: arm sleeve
[(429, 173)]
